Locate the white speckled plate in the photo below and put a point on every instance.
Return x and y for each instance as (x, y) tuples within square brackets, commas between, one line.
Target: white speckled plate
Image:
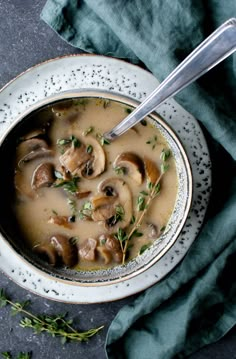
[(90, 71)]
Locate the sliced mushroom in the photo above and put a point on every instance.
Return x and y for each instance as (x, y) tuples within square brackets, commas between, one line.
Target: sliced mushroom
[(120, 189), (151, 169), (43, 176), (74, 158), (97, 162), (105, 254), (65, 249), (103, 208), (46, 252), (133, 164), (88, 160), (110, 250), (87, 250), (35, 133), (31, 149), (60, 221)]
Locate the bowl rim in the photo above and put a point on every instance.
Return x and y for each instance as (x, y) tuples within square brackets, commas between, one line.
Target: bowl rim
[(126, 100)]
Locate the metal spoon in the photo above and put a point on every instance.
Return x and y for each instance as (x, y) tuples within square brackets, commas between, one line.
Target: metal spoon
[(219, 45)]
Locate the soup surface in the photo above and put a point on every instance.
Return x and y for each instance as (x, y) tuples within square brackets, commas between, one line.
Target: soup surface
[(85, 203)]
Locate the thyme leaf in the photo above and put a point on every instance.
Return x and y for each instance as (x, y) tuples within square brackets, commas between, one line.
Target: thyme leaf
[(88, 131), (55, 325), (70, 186)]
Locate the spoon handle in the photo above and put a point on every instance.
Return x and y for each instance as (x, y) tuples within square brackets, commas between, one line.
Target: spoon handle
[(215, 48)]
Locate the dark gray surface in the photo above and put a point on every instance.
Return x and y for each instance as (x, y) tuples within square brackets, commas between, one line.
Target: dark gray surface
[(25, 41)]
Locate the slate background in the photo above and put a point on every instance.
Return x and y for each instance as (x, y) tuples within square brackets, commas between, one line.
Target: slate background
[(25, 40)]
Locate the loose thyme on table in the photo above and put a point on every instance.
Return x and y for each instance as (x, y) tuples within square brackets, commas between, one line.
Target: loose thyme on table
[(55, 325)]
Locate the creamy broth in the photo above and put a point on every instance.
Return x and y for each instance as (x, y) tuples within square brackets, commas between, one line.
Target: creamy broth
[(48, 209)]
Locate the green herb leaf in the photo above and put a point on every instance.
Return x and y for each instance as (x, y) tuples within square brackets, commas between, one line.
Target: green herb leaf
[(136, 233), (162, 229), (119, 170), (121, 235), (144, 193), (86, 210), (143, 248), (165, 154), (89, 149), (133, 219), (6, 355), (23, 355), (141, 203), (88, 130), (70, 186), (164, 167), (152, 141)]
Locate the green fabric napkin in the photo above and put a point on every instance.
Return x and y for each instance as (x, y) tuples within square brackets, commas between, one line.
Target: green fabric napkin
[(196, 303)]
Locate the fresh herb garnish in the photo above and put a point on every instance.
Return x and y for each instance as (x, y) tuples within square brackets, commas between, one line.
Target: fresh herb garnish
[(152, 141), (6, 355), (140, 203), (162, 228), (119, 170), (133, 219), (121, 235), (103, 141), (70, 186), (120, 212), (86, 210), (73, 207), (88, 131), (89, 149), (62, 142), (143, 122), (21, 355), (56, 326), (143, 248), (165, 154), (164, 167)]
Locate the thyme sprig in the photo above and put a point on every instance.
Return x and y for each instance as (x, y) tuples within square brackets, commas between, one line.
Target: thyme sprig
[(21, 355), (142, 207), (56, 325)]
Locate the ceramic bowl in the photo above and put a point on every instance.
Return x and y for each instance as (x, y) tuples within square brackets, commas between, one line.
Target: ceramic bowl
[(8, 229)]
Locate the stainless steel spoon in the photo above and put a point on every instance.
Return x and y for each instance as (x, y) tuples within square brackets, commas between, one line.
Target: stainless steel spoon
[(219, 45)]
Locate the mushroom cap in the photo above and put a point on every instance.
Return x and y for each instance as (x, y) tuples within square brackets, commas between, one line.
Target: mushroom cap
[(133, 164), (46, 251), (124, 198), (43, 175), (98, 157), (79, 161), (31, 149), (65, 249)]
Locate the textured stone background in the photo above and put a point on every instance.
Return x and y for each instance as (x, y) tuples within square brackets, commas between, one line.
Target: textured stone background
[(25, 41)]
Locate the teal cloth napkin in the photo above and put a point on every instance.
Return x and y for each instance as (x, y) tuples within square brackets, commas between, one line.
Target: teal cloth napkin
[(196, 303)]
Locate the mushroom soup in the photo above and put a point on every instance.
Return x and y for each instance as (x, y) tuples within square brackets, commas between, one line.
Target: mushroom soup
[(85, 203)]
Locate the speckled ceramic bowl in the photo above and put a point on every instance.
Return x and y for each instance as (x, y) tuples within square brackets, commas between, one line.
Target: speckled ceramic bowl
[(179, 215)]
